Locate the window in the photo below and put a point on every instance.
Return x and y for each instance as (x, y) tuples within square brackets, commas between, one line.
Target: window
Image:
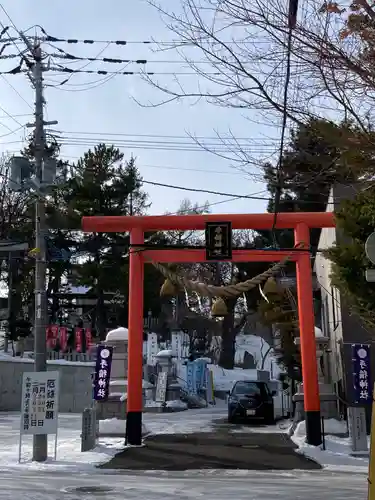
[(252, 388), (335, 307), (325, 316)]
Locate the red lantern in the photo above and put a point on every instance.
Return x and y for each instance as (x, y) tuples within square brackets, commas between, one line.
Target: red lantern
[(78, 338), (88, 338), (63, 338)]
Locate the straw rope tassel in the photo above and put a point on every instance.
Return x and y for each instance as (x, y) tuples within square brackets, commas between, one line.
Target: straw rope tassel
[(221, 291)]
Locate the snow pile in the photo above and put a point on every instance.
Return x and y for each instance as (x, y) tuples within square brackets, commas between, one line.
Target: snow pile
[(331, 426), (120, 333), (337, 455), (318, 332), (165, 353), (175, 405), (124, 383)]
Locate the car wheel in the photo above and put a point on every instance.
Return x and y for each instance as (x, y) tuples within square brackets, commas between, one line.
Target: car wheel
[(231, 419), (270, 419)]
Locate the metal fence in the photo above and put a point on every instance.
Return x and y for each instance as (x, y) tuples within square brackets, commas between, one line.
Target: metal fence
[(70, 356)]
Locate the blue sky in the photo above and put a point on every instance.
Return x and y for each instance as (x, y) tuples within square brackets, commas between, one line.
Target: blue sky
[(111, 109)]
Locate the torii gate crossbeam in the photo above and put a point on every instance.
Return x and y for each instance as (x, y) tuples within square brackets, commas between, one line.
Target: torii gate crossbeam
[(301, 222)]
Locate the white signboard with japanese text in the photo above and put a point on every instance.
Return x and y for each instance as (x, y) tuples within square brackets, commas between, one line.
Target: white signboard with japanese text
[(40, 403), (152, 348), (161, 387)]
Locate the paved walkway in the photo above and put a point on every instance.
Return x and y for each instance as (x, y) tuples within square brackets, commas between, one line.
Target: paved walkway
[(221, 449)]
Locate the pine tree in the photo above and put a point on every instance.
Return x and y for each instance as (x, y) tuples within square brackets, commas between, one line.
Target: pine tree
[(355, 219), (319, 154), (103, 184)]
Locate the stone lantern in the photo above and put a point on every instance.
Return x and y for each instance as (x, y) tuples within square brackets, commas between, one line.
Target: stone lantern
[(328, 399), (115, 406), (164, 361), (118, 339)]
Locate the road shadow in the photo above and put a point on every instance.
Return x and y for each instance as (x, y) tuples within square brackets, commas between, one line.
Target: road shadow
[(221, 449)]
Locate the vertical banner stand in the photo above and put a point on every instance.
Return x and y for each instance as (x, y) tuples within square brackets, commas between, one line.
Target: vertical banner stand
[(20, 448), (371, 463)]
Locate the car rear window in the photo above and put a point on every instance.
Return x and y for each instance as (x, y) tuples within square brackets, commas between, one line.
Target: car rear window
[(247, 388)]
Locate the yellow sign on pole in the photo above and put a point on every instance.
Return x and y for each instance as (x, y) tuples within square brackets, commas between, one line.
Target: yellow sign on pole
[(371, 465)]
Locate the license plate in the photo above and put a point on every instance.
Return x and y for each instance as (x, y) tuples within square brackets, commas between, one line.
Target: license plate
[(250, 412)]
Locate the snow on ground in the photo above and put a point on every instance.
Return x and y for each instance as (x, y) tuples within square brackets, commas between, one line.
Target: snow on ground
[(279, 428), (335, 458), (186, 485), (69, 454), (184, 422), (4, 356), (171, 423), (337, 455)]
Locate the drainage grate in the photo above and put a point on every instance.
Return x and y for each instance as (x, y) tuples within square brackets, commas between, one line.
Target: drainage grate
[(101, 490)]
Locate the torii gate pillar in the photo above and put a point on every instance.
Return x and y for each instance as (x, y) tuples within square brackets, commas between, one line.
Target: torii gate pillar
[(134, 406), (137, 225)]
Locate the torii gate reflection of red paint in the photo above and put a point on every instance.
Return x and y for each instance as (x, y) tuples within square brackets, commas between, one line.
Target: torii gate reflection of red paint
[(137, 226)]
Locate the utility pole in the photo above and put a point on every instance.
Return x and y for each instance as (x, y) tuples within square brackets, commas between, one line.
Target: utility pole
[(38, 176), (40, 443), (10, 301)]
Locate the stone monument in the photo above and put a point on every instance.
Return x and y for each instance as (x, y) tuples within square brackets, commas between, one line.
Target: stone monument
[(164, 362)]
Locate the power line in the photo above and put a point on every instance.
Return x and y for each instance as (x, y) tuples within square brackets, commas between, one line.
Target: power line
[(166, 136), (279, 176), (5, 31), (101, 51), (112, 60), (24, 115), (16, 91), (218, 193), (11, 117), (12, 131), (64, 69), (179, 43), (165, 142), (166, 146), (206, 191), (184, 143), (167, 167)]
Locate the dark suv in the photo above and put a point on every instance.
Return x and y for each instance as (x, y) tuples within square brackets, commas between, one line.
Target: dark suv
[(251, 401)]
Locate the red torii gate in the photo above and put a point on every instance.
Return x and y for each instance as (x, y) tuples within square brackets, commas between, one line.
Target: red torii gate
[(301, 222)]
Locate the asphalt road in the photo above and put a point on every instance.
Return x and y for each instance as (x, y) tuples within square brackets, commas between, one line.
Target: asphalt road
[(157, 485), (213, 450)]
